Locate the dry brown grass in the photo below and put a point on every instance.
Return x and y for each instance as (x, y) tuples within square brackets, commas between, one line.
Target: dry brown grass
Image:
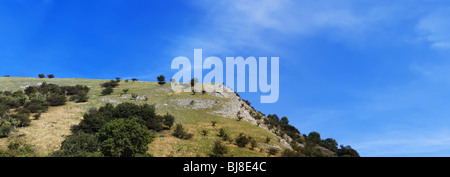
[(47, 133)]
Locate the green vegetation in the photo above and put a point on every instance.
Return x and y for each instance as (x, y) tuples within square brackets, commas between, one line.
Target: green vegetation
[(179, 132), (161, 80), (120, 131), (17, 107), (204, 123)]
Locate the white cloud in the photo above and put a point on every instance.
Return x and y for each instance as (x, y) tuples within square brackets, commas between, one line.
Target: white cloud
[(435, 28), (238, 25)]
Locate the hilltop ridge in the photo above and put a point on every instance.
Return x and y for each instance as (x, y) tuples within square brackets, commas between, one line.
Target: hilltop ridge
[(196, 112)]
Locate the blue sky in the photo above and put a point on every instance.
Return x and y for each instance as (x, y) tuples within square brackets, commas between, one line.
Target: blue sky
[(371, 74)]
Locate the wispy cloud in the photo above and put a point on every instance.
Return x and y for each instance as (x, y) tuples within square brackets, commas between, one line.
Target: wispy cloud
[(435, 28), (237, 25)]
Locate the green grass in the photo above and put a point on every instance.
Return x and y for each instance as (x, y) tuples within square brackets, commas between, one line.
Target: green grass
[(194, 120)]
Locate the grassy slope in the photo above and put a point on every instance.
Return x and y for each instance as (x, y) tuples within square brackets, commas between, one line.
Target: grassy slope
[(47, 133)]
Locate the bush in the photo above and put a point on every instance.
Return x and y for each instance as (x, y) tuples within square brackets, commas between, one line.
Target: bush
[(41, 76), (107, 91), (253, 144), (219, 149), (242, 140), (204, 132), (272, 151), (134, 96), (291, 153), (36, 106), (23, 120), (37, 116), (267, 139), (5, 130), (51, 76), (168, 120), (111, 84), (145, 114), (56, 100), (124, 138), (179, 132)]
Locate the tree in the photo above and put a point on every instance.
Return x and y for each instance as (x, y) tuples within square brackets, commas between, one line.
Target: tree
[(284, 121), (161, 80), (330, 144), (51, 76), (80, 145), (314, 137), (41, 76), (347, 151), (219, 149), (117, 79), (134, 79), (193, 82), (124, 138), (125, 91)]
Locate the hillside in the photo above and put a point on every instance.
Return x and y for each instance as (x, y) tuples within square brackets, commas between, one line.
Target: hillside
[(194, 112)]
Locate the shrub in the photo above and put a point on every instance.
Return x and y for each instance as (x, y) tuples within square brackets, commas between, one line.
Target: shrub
[(5, 130), (253, 144), (213, 123), (179, 132), (272, 151), (291, 153), (168, 120), (107, 91), (134, 96), (41, 76), (242, 140), (23, 120), (51, 76), (222, 132), (37, 116), (219, 149), (111, 84), (36, 106), (267, 139), (204, 132), (56, 100)]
